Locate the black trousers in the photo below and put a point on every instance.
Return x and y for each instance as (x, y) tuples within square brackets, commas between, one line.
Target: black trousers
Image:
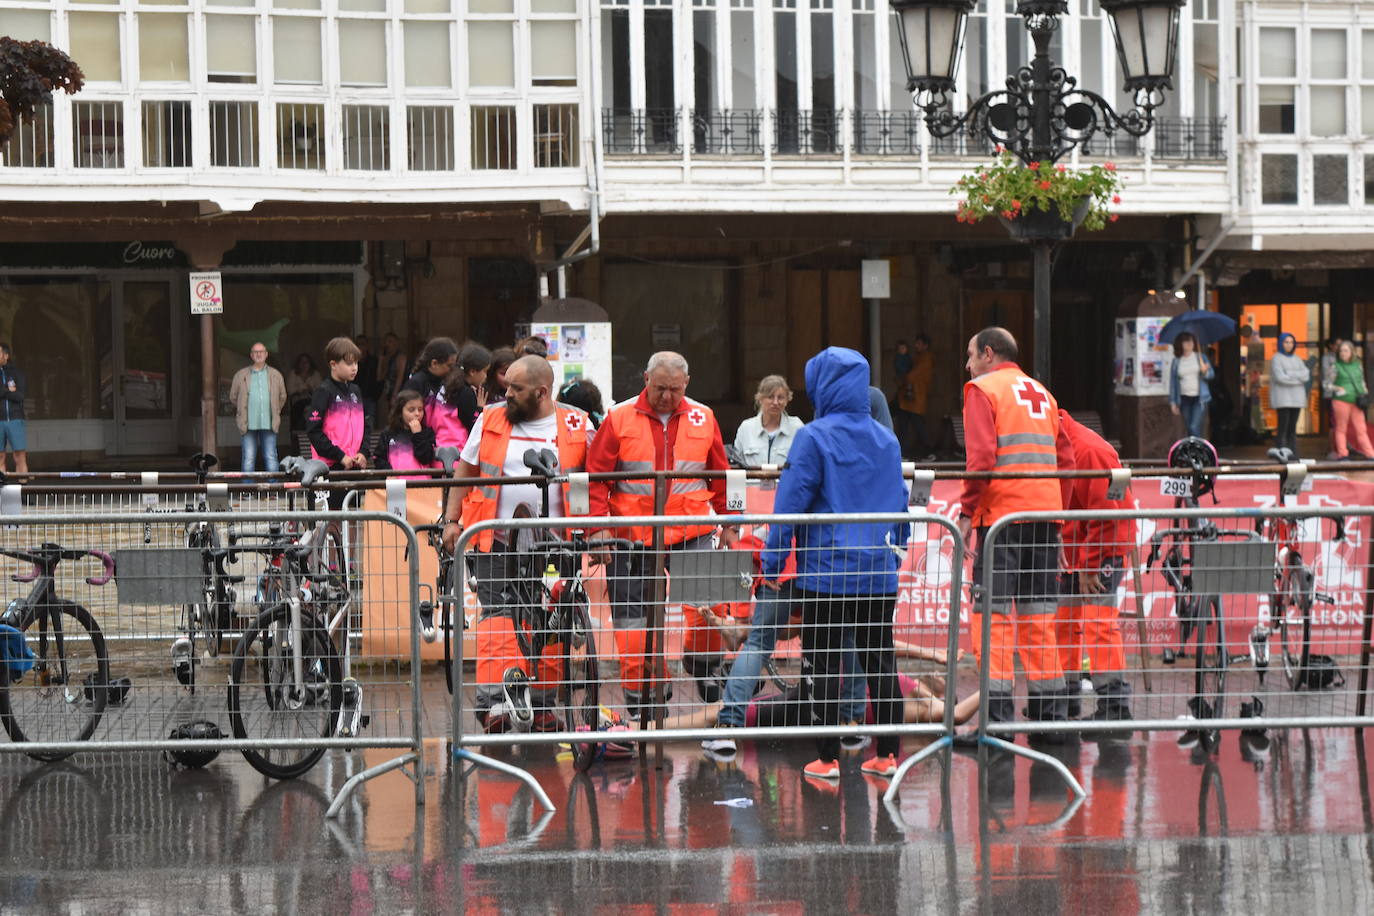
[(1287, 436), (825, 618)]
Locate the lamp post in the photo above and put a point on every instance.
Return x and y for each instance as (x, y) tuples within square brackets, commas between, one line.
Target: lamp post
[(1042, 114)]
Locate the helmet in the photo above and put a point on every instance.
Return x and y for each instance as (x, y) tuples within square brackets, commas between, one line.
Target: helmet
[(1196, 453), (200, 730)]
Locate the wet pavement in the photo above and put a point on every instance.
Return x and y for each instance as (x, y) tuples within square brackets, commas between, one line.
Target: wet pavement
[(1281, 827)]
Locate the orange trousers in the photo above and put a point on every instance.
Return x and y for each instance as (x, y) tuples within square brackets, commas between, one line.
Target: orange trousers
[(1091, 631), (1032, 637)]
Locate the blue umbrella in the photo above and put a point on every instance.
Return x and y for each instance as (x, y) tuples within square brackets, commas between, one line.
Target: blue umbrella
[(1207, 327)]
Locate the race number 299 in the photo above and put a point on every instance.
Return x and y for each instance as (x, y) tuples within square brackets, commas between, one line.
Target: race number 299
[(1177, 487)]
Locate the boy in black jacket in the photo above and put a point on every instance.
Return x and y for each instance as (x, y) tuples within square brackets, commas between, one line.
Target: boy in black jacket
[(336, 424)]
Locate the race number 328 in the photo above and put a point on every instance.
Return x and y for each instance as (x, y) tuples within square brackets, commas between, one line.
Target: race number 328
[(1177, 487)]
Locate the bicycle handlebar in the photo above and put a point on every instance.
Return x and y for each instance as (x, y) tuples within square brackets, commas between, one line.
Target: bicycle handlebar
[(51, 552)]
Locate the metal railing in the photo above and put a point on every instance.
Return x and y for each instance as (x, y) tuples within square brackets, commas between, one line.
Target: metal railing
[(234, 135), (640, 131), (737, 132), (31, 144), (806, 133)]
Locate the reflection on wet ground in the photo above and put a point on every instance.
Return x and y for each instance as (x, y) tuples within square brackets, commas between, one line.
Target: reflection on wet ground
[(1160, 831)]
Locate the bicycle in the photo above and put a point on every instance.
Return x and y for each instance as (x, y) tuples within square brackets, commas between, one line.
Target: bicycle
[(1199, 616), (55, 674), (1294, 593), (289, 651), (210, 619)]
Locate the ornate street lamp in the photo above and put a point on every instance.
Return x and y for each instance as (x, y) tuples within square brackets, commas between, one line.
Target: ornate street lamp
[(1042, 114)]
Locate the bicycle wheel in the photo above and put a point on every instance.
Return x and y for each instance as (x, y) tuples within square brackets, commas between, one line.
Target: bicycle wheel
[(266, 702), (581, 688), (1296, 592), (51, 701), (1212, 662)]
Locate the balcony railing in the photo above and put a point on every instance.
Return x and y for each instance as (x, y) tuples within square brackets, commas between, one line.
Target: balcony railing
[(740, 132)]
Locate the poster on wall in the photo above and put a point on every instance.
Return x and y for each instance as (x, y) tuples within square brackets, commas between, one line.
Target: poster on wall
[(578, 350), (1141, 362)]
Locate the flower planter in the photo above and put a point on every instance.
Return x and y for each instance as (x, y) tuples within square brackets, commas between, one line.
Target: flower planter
[(1045, 225)]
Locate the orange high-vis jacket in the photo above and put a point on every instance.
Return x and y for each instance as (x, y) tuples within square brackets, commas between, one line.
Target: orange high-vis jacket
[(479, 505), (691, 449), (1027, 423)]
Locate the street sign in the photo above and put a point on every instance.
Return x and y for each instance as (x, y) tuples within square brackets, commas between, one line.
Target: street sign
[(207, 293)]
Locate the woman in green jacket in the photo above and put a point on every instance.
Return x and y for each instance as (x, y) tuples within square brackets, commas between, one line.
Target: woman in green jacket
[(1349, 395)]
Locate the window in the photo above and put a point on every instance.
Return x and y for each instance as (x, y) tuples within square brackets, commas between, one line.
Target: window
[(1367, 79), (58, 324), (706, 92), (1369, 179), (163, 48), (234, 134), (742, 57), (1279, 178), (556, 136), (95, 44), (865, 58), (1327, 116), (300, 136), (362, 52), (231, 49), (296, 51), (493, 137), (366, 137), (427, 54), (26, 25), (553, 52), (1331, 179), (429, 138), (491, 54), (1277, 62), (98, 135), (167, 135), (30, 145)]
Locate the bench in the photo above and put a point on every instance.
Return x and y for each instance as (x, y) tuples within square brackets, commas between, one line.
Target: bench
[(1089, 418)]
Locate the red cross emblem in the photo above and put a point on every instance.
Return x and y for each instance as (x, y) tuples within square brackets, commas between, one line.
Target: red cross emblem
[(573, 421), (1031, 396), (696, 416)]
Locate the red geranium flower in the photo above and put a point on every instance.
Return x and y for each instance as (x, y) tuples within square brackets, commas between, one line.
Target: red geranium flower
[(1044, 185), (1116, 198), (1114, 217)]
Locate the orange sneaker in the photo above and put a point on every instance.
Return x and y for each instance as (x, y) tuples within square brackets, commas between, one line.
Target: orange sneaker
[(880, 766), (822, 769)]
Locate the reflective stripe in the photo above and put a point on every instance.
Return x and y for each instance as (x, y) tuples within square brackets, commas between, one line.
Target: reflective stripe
[(634, 465), (489, 470), (996, 685), (689, 466), (687, 486), (1038, 458), (1046, 684), (634, 488), (1025, 439), (1034, 608)]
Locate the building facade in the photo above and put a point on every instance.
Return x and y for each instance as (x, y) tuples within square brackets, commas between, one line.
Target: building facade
[(420, 167)]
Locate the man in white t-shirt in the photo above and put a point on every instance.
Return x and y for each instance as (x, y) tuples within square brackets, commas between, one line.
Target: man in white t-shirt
[(509, 693)]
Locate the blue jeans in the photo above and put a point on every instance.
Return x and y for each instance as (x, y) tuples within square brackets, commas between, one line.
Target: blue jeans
[(1190, 407), (771, 610), (262, 441)]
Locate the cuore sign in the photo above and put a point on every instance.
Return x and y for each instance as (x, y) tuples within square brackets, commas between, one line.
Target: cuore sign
[(137, 253)]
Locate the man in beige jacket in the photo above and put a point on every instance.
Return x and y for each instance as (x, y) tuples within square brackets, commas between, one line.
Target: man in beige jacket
[(258, 393)]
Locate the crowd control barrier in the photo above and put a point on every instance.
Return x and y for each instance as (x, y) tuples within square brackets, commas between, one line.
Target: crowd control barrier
[(279, 635), (584, 634), (1197, 620)]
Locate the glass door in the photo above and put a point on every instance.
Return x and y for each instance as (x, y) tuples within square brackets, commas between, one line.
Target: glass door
[(1260, 327), (145, 389)]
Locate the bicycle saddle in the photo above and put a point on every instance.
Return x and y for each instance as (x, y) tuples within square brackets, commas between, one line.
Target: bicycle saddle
[(307, 469), (447, 456), (541, 462)]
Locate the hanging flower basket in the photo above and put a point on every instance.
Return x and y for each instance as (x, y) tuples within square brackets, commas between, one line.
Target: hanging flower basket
[(1039, 201)]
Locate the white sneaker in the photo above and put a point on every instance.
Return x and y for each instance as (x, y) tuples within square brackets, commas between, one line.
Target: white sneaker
[(719, 745)]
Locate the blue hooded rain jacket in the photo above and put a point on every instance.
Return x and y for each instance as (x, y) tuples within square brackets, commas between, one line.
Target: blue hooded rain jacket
[(843, 461)]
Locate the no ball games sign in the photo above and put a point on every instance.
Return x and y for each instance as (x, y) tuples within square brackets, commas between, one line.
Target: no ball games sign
[(207, 293)]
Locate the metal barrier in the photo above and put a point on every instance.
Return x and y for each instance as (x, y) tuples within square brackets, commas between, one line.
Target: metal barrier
[(195, 633), (568, 632), (1244, 619)]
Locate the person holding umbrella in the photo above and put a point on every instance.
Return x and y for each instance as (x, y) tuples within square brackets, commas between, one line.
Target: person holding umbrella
[(1188, 378)]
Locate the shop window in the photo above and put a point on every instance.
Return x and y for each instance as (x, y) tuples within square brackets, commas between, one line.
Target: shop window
[(296, 51), (98, 138), (429, 138), (1331, 179), (163, 48), (300, 136), (1279, 178), (366, 137), (683, 307), (493, 137), (30, 145), (556, 136), (231, 49), (60, 329), (167, 135), (428, 61), (95, 43), (362, 52), (234, 134)]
